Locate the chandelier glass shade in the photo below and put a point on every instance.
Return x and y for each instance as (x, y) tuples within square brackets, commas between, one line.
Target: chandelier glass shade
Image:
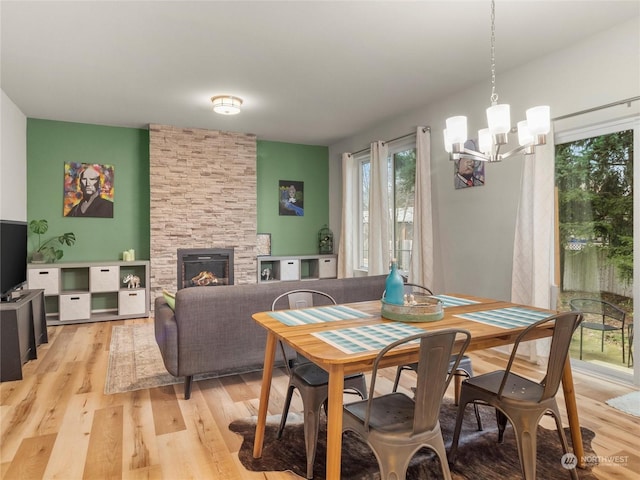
[(531, 132), (226, 104)]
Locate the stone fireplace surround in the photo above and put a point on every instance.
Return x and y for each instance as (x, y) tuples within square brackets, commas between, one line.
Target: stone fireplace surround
[(202, 195)]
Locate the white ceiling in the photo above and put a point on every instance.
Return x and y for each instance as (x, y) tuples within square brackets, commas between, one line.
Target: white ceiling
[(310, 72)]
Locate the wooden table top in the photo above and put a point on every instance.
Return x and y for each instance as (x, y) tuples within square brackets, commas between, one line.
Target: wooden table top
[(301, 338)]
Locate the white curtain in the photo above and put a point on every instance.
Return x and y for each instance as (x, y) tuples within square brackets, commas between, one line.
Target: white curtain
[(346, 246), (379, 210), (421, 269), (532, 276)]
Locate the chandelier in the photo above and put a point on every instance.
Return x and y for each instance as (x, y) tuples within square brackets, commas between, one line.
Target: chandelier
[(531, 132)]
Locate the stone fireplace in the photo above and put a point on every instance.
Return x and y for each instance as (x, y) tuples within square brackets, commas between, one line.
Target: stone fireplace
[(203, 187), (209, 267)]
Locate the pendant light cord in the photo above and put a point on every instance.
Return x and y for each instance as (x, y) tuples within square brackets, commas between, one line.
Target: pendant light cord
[(494, 95)]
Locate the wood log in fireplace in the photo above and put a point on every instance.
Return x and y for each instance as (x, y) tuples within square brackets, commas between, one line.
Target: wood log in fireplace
[(208, 267)]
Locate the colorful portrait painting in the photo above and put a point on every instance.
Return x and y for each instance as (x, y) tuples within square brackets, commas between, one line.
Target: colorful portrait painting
[(468, 172), (88, 190), (291, 198)]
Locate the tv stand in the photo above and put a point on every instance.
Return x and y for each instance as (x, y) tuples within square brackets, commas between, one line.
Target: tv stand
[(24, 327)]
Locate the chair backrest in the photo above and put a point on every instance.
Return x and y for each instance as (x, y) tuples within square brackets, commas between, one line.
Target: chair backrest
[(302, 298), (563, 324), (598, 307), (434, 372)]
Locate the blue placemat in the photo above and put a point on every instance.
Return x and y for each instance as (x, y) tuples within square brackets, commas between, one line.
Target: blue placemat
[(330, 313), (367, 337), (510, 317), (450, 301)]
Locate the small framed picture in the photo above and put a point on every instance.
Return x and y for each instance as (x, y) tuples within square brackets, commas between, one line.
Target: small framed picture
[(263, 244), (468, 172), (291, 198)]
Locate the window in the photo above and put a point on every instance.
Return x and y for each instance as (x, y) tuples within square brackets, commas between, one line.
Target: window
[(402, 175), (594, 176)]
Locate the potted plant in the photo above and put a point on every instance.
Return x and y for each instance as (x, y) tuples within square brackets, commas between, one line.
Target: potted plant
[(49, 249)]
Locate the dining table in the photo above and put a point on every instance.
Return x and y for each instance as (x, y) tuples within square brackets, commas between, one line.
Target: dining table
[(345, 338)]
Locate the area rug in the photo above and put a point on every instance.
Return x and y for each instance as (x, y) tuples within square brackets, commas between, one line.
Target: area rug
[(479, 454), (135, 362), (629, 403)]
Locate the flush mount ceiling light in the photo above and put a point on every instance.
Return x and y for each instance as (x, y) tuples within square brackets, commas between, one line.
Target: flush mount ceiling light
[(531, 132), (226, 104)]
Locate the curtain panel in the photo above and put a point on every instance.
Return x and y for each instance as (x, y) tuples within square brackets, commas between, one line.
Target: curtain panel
[(421, 268), (347, 245), (532, 280), (379, 213)]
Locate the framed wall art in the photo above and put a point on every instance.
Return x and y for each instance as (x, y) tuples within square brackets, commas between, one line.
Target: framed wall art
[(88, 190), (291, 198), (468, 172)]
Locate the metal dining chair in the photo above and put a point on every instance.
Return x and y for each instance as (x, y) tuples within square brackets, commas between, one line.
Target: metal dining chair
[(311, 381), (396, 426), (630, 338), (521, 400), (464, 369), (600, 315)]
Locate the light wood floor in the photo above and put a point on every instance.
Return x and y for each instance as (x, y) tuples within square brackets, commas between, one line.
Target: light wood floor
[(57, 423)]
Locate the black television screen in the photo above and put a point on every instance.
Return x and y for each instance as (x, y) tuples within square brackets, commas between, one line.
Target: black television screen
[(13, 255)]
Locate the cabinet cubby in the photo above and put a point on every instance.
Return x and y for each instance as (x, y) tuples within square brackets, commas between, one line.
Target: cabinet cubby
[(91, 291)]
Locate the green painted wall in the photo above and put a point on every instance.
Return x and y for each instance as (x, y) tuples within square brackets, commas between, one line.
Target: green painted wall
[(49, 145), (293, 235)]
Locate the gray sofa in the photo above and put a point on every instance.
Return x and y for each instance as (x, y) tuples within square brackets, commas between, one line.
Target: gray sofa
[(212, 332)]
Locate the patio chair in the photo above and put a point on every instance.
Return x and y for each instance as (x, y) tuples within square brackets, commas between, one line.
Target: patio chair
[(521, 400), (395, 425), (630, 338), (311, 381), (602, 316)]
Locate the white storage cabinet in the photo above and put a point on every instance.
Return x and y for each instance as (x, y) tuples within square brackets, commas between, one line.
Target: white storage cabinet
[(91, 291), (302, 267)]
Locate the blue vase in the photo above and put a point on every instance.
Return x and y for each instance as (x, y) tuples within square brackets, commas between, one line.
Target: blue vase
[(394, 286)]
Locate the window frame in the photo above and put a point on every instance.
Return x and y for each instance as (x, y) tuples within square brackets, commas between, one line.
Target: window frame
[(402, 144)]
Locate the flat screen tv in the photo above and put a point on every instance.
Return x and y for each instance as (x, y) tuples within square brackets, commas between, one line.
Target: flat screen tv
[(13, 256)]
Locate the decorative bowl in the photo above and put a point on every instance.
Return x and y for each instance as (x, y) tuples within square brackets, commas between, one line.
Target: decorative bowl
[(419, 308)]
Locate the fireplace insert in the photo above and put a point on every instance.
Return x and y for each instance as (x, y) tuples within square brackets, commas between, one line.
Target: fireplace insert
[(208, 267)]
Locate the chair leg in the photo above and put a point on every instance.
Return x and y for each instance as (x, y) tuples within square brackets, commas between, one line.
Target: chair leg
[(502, 425), (622, 333), (188, 381), (563, 441), (459, 374), (453, 450), (630, 340), (476, 410), (285, 410), (581, 342), (397, 380), (527, 446), (311, 402)]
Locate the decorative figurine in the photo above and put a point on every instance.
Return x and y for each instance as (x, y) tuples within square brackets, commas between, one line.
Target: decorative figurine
[(132, 281), (266, 274)]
